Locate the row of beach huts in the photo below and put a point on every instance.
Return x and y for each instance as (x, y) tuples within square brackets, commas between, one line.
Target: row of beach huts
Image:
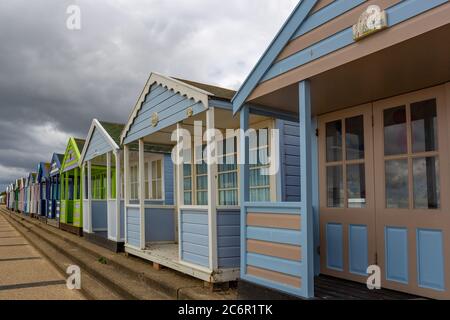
[(338, 160)]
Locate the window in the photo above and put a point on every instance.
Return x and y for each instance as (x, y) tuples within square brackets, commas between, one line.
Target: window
[(99, 186), (202, 184), (156, 178), (259, 179), (228, 174), (146, 181), (412, 153), (187, 184), (134, 182), (345, 169)]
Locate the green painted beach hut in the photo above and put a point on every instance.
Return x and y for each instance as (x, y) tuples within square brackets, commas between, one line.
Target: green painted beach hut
[(71, 203)]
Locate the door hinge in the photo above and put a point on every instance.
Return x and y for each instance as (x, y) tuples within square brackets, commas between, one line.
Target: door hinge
[(318, 250), (317, 132)]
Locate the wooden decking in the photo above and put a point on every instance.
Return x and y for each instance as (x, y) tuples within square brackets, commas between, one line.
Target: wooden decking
[(328, 288)]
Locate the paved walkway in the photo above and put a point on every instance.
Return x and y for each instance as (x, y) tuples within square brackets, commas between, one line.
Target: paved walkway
[(25, 274)]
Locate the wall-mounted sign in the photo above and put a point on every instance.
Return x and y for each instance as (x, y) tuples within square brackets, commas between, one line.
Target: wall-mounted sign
[(190, 112), (155, 119), (371, 21)]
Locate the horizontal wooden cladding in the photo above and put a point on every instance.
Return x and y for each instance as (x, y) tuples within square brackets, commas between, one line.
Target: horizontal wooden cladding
[(278, 250), (274, 276), (412, 27), (321, 4), (277, 221), (334, 26)]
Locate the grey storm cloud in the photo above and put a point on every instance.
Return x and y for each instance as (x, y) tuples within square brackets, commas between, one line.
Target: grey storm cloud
[(54, 81)]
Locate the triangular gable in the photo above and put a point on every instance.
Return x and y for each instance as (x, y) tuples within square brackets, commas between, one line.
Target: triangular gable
[(71, 156), (43, 171), (199, 96), (55, 164), (286, 33), (98, 142)]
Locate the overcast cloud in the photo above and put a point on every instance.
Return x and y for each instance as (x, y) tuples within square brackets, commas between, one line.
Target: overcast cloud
[(53, 81)]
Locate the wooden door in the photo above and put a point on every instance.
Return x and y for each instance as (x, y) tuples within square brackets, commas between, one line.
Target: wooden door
[(347, 206), (411, 186)]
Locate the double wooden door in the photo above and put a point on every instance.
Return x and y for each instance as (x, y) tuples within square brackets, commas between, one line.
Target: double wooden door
[(384, 181)]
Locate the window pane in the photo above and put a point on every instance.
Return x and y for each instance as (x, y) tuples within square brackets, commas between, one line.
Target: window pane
[(335, 187), (397, 193), (395, 140), (426, 183), (354, 138), (424, 126), (334, 141), (356, 186), (188, 198), (260, 195), (202, 198)]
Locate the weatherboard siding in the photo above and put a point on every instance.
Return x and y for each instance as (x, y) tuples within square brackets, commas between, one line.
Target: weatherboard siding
[(159, 225), (98, 145), (170, 107), (194, 237), (290, 157), (228, 238), (169, 182), (133, 227)]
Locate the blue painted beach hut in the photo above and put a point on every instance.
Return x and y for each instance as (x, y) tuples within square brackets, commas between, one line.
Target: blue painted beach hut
[(102, 167), (373, 133), (185, 214), (54, 200), (43, 190)]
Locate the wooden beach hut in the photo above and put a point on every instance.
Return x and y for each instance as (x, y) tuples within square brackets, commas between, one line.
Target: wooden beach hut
[(102, 164), (54, 200), (370, 84), (71, 217)]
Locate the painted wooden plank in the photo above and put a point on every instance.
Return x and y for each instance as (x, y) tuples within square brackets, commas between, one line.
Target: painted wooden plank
[(195, 228), (274, 277), (396, 14), (195, 259), (275, 264), (228, 230), (276, 221), (180, 116), (196, 249), (274, 235), (227, 241), (281, 39), (194, 218), (195, 239), (229, 252), (229, 262), (328, 13), (282, 251)]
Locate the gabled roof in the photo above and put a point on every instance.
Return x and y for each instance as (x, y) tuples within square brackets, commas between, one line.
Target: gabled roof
[(218, 92), (76, 145), (288, 30), (43, 170), (57, 159), (196, 91), (110, 132)]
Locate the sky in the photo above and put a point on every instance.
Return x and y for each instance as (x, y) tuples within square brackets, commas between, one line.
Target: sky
[(54, 81)]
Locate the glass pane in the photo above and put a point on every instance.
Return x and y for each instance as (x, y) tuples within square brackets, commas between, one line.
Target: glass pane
[(424, 126), (202, 198), (335, 187), (159, 169), (426, 183), (260, 195), (354, 138), (188, 198), (356, 186), (334, 141), (397, 193), (395, 140)]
